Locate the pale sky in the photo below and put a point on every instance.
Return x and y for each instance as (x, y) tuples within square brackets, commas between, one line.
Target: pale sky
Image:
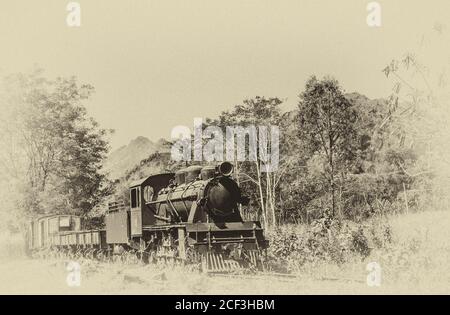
[(158, 64)]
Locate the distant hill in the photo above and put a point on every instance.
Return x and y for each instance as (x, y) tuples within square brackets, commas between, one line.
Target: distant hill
[(125, 158)]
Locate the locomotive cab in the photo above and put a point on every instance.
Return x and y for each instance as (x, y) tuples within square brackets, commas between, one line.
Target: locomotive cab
[(124, 224), (142, 194)]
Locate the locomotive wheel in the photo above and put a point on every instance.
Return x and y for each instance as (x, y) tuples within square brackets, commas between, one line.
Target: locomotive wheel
[(161, 262), (152, 259), (78, 253), (57, 252), (129, 257), (141, 257), (117, 258), (145, 257), (101, 255), (89, 253)]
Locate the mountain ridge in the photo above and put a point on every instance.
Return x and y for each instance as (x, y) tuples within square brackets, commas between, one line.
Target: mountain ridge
[(126, 157)]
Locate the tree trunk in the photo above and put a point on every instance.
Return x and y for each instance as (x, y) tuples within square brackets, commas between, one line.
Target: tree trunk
[(333, 201), (261, 194), (270, 198)]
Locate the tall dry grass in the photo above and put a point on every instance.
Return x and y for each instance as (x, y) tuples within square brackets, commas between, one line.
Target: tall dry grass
[(12, 246), (413, 250)]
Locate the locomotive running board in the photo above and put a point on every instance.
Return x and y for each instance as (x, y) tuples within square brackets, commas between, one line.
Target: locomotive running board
[(216, 263)]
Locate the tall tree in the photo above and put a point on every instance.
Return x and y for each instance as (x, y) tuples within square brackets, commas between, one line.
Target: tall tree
[(326, 127), (258, 111), (50, 144)]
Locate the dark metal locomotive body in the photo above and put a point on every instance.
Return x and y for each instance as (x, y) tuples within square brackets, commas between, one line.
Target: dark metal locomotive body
[(190, 216)]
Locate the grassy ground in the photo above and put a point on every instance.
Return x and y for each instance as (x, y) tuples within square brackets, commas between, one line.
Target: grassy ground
[(416, 260)]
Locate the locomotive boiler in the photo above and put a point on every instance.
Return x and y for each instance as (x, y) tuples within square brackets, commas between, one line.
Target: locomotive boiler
[(190, 216), (199, 194)]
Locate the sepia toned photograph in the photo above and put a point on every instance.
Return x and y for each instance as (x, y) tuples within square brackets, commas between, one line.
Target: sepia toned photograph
[(213, 149)]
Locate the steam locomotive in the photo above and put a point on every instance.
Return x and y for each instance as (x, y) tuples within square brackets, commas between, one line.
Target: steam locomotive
[(191, 216)]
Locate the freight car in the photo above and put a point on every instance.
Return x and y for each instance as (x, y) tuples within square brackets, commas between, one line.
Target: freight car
[(191, 216), (63, 233)]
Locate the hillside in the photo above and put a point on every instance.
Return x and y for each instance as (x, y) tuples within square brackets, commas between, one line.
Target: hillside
[(125, 158)]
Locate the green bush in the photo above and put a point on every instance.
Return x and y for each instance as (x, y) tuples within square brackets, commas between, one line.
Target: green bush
[(294, 248)]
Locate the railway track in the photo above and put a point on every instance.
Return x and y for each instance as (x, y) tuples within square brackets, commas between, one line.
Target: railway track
[(283, 277)]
